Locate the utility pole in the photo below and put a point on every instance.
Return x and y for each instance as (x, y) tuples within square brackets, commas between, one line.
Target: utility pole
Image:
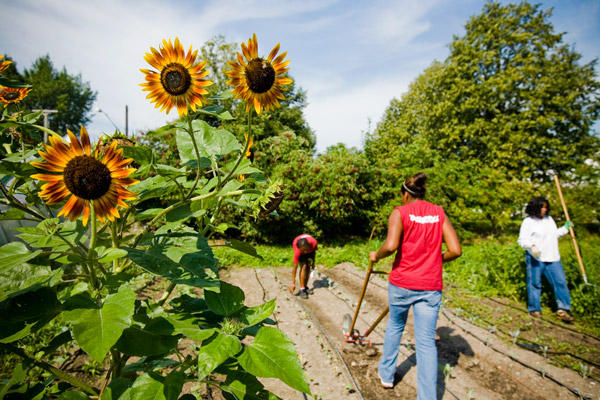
[(45, 113), (126, 120)]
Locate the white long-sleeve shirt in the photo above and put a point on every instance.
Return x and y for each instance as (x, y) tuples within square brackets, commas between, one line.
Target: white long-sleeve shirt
[(544, 234)]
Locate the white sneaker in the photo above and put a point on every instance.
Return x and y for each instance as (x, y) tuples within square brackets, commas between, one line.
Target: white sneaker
[(384, 384)]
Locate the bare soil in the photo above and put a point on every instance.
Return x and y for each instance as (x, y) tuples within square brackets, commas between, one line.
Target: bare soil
[(496, 352)]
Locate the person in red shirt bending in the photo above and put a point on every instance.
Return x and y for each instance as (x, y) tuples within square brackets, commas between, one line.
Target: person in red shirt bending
[(304, 247), (416, 231)]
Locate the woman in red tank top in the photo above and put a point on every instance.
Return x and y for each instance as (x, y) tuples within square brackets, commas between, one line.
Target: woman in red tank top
[(417, 230)]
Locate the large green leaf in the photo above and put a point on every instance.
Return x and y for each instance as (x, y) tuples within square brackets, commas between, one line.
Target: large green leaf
[(18, 376), (243, 386), (155, 387), (184, 258), (273, 355), (243, 247), (118, 389), (186, 273), (26, 313), (211, 141), (13, 254), (228, 301), (17, 279), (153, 187), (97, 328), (139, 342), (73, 395), (253, 315), (189, 328), (214, 353)]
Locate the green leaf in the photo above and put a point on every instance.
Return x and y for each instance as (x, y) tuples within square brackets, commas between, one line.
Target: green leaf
[(243, 247), (111, 254), (73, 395), (253, 315), (26, 313), (211, 141), (228, 301), (153, 187), (148, 214), (180, 257), (189, 329), (214, 353), (273, 355), (97, 328), (244, 386), (139, 342), (12, 214), (18, 376), (142, 155), (13, 254), (118, 389), (151, 386), (185, 273), (17, 169)]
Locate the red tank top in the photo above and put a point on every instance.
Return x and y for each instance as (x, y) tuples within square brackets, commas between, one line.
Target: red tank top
[(418, 262)]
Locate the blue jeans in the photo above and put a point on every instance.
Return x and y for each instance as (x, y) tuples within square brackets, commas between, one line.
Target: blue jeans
[(556, 276), (426, 305)]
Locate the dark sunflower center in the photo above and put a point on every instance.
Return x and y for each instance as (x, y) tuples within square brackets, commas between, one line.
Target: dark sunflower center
[(87, 177), (260, 75), (176, 79), (11, 96)]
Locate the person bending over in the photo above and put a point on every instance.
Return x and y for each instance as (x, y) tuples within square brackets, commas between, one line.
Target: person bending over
[(305, 247)]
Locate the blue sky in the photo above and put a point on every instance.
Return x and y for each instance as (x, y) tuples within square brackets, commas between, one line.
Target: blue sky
[(352, 57)]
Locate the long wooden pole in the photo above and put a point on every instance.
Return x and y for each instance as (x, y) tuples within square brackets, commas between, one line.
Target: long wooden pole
[(571, 231), (362, 295)]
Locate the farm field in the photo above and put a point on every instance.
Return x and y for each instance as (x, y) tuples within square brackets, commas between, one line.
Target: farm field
[(476, 361)]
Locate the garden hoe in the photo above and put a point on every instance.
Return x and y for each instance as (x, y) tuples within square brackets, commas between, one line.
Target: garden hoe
[(571, 231), (351, 334)]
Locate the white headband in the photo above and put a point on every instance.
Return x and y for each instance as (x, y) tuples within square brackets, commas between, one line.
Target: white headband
[(408, 190)]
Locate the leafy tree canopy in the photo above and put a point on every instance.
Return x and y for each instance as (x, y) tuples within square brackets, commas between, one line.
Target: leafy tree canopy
[(510, 94), (56, 90)]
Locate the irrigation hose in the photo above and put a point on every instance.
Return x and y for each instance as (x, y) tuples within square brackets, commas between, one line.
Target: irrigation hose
[(354, 384), (542, 373), (522, 344)]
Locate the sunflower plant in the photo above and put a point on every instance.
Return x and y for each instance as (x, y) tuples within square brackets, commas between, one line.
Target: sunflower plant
[(96, 224)]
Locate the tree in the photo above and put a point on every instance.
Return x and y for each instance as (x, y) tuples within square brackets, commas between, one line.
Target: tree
[(330, 196), (58, 90), (510, 94)]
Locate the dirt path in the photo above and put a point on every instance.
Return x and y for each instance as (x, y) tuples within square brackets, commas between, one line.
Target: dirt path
[(481, 363)]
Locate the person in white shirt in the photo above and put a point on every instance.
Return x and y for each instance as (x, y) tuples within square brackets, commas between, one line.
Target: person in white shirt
[(539, 236)]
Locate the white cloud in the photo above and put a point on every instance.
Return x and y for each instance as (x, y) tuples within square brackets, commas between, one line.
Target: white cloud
[(343, 115), (351, 56)]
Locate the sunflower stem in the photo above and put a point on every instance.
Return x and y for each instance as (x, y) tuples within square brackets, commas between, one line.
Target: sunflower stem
[(243, 154), (199, 171), (115, 243), (17, 204), (92, 249), (214, 216), (167, 294)]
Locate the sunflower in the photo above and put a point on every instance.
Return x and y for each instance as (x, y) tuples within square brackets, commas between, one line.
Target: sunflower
[(179, 81), (85, 178), (248, 152), (12, 95), (258, 80), (4, 64)]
